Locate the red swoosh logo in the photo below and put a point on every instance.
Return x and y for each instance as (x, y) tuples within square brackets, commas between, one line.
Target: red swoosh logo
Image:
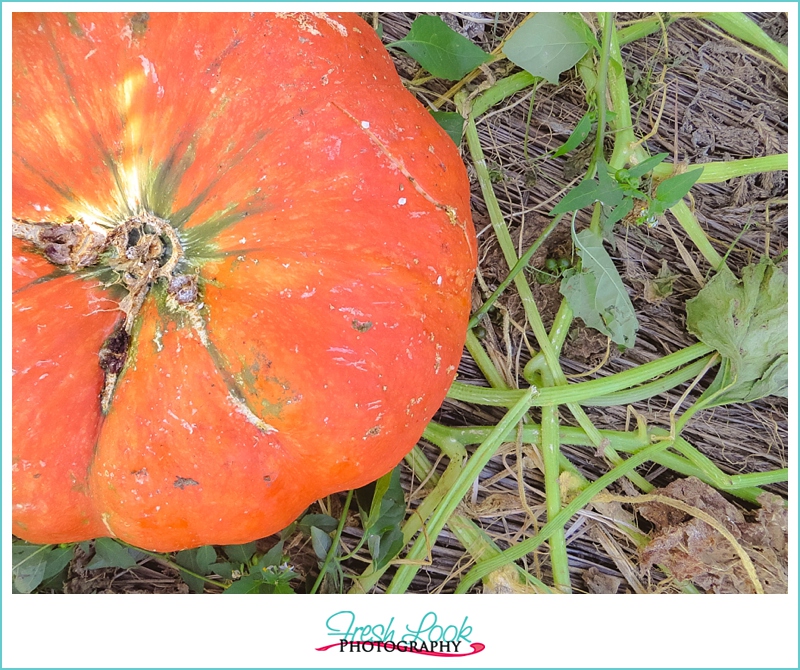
[(477, 647)]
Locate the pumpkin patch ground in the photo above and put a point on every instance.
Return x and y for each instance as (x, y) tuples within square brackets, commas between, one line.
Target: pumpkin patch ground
[(241, 297)]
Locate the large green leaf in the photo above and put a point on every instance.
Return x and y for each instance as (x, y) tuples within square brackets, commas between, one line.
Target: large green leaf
[(198, 561), (440, 49), (596, 293), (110, 554), (546, 45), (240, 553), (746, 321), (28, 565)]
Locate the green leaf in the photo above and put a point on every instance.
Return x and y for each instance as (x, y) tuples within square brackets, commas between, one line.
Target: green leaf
[(273, 557), (581, 28), (224, 570), (452, 123), (240, 553), (646, 166), (440, 49), (596, 293), (391, 542), (746, 321), (546, 45), (247, 584), (323, 521), (198, 561), (589, 191), (320, 541), (108, 553), (617, 214), (387, 511), (611, 193), (671, 191), (282, 587), (582, 195), (381, 489), (28, 565), (577, 136), (58, 559)]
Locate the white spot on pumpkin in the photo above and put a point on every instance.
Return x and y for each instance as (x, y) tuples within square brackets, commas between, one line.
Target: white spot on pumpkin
[(365, 124), (338, 27), (104, 517), (149, 69), (401, 201), (358, 365)]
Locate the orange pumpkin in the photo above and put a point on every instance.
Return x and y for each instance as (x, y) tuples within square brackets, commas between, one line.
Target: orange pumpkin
[(242, 261)]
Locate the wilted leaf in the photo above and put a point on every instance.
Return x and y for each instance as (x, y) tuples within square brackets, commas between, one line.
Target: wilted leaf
[(596, 293), (691, 549), (600, 582), (746, 321), (658, 288), (546, 45), (440, 49)]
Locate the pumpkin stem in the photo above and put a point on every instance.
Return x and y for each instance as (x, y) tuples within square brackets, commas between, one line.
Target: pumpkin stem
[(140, 251)]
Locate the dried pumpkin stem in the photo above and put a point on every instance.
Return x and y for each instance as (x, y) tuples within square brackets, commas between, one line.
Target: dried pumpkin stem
[(140, 251)]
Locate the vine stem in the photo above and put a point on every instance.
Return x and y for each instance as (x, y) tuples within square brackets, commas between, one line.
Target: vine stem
[(469, 473), (519, 550), (559, 560), (606, 19), (334, 543), (583, 392), (171, 563)]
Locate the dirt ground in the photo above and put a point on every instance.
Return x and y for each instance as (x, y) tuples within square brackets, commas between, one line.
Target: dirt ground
[(723, 102)]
